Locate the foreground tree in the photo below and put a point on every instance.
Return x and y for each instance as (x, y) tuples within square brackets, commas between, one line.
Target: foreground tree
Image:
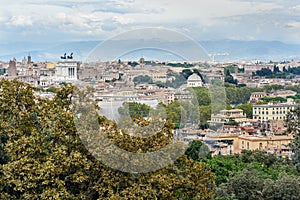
[(293, 125), (249, 184), (197, 150), (44, 157)]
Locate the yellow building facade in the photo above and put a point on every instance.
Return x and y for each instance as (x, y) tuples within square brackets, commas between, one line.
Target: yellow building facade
[(271, 111), (248, 142), (264, 142)]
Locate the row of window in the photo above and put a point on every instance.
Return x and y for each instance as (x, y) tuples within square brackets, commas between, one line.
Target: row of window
[(273, 112), (271, 118), (243, 145), (277, 108)]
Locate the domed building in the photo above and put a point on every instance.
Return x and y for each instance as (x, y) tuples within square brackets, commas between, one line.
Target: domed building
[(194, 81)]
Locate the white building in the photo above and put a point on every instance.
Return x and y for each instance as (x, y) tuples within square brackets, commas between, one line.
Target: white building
[(67, 70), (194, 81)]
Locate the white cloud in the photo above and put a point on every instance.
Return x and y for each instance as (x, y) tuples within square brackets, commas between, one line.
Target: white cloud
[(213, 19), (294, 24), (21, 20)]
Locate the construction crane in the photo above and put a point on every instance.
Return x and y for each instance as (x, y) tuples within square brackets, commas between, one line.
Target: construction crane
[(212, 55)]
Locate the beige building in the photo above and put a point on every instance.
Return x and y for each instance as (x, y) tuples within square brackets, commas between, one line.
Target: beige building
[(256, 96), (266, 143), (228, 115), (283, 93), (272, 111), (236, 143), (232, 141)]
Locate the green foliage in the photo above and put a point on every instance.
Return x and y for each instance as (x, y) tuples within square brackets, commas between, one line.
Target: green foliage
[(274, 99), (240, 95), (51, 89), (295, 88), (133, 64), (293, 126), (45, 158), (286, 187), (2, 71), (142, 79), (269, 88), (229, 78), (205, 113), (202, 95), (176, 80), (185, 65), (264, 72), (247, 108), (230, 68), (224, 167), (182, 112), (197, 150), (267, 165), (245, 186), (249, 184), (276, 73), (134, 109), (254, 175), (294, 70)]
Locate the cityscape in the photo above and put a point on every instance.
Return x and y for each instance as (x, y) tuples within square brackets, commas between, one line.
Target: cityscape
[(167, 110)]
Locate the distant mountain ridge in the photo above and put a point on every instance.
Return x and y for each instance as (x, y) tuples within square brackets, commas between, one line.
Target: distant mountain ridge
[(235, 50)]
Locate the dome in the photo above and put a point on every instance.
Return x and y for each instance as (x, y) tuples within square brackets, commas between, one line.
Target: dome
[(194, 81), (194, 77)]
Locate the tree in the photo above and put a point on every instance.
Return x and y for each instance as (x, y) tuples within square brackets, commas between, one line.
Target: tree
[(142, 79), (186, 73), (293, 127), (134, 109), (276, 69), (245, 186), (46, 158), (264, 72), (197, 150), (269, 88), (229, 78), (247, 108), (202, 95), (205, 115), (241, 95), (286, 187), (249, 184)]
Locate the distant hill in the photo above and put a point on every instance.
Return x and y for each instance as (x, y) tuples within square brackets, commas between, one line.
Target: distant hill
[(250, 50), (47, 52), (236, 50)]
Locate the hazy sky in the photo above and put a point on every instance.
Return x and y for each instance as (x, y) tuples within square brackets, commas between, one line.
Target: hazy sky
[(69, 20)]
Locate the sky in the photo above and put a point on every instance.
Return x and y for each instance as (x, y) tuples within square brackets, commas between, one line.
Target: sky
[(83, 20)]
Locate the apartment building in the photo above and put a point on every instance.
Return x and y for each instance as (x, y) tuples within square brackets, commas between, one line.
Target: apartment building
[(229, 115), (270, 111)]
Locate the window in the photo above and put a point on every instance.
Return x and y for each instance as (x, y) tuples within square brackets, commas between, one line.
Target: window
[(247, 145), (260, 146)]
